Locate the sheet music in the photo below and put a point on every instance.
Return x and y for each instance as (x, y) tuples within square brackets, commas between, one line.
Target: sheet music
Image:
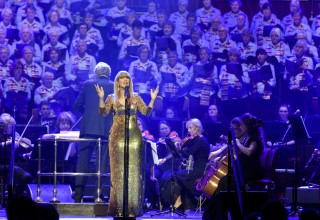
[(154, 152), (68, 134)]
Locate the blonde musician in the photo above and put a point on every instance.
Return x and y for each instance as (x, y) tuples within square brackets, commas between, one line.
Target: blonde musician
[(250, 143), (21, 177), (195, 148)]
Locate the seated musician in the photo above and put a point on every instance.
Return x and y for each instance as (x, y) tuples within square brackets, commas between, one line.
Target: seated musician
[(65, 121), (151, 183), (21, 177), (250, 143), (195, 148), (163, 169)]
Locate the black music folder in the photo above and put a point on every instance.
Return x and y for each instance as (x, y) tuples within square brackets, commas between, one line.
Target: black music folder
[(236, 37), (132, 50), (191, 49), (119, 20), (220, 55), (165, 43), (60, 72), (19, 48), (12, 34), (92, 49), (203, 71), (268, 28), (294, 67), (273, 60), (316, 40), (235, 68), (140, 76), (260, 75), (290, 40), (168, 77), (79, 5), (147, 23)]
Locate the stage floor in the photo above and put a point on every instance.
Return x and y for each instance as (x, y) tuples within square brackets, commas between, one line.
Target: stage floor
[(147, 215)]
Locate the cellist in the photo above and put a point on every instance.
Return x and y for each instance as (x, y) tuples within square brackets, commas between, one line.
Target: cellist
[(250, 144)]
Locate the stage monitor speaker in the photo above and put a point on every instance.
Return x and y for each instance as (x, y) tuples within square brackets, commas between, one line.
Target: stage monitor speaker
[(305, 195), (64, 192)]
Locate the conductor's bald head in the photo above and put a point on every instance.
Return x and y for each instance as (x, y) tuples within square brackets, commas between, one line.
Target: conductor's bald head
[(102, 69)]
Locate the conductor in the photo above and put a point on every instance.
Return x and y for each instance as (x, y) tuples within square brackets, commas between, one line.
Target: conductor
[(92, 125)]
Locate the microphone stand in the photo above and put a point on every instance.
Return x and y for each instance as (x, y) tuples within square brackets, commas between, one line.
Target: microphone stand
[(11, 171), (126, 154)]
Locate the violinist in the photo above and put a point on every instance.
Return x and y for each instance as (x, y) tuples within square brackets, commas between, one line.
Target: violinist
[(163, 169), (195, 148), (145, 133), (151, 183), (21, 177), (249, 141)]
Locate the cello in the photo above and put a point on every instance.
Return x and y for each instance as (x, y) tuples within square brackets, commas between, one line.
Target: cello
[(216, 169)]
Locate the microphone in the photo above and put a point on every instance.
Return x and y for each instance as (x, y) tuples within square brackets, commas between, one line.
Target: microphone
[(190, 163), (297, 112), (126, 92)]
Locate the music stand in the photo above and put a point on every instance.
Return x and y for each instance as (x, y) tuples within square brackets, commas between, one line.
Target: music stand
[(300, 133), (175, 155)]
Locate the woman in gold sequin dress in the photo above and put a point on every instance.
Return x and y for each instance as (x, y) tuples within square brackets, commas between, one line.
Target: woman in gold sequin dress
[(116, 103)]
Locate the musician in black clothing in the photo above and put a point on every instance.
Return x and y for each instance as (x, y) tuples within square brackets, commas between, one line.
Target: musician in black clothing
[(195, 148), (21, 178), (250, 144)]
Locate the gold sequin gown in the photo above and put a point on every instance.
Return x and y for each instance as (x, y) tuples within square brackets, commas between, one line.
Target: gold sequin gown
[(116, 149)]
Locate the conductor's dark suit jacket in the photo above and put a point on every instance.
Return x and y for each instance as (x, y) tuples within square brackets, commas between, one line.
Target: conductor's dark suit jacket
[(88, 104)]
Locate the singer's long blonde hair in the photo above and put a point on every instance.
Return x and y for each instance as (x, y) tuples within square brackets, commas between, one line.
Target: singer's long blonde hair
[(122, 74)]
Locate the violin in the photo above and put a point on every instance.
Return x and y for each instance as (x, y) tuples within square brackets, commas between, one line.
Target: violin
[(21, 141), (185, 140), (173, 136), (147, 136)]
